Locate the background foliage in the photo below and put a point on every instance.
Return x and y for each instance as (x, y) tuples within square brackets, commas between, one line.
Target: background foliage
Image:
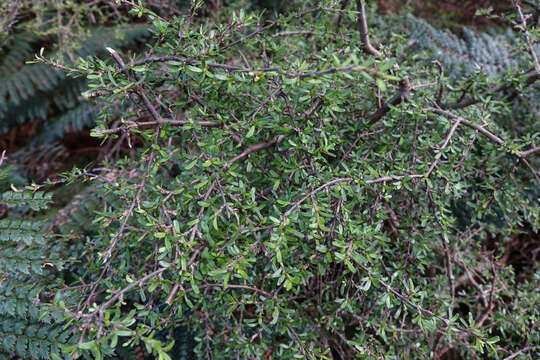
[(267, 180)]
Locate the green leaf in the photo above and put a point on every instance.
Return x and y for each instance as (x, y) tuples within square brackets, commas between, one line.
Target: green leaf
[(86, 345), (250, 132), (194, 68), (191, 164)]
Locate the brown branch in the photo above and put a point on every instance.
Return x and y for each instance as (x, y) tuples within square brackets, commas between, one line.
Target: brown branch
[(192, 232), (157, 117), (513, 355), (141, 186), (132, 124), (444, 145), (344, 4), (406, 300), (153, 59), (187, 23), (3, 157), (98, 93), (241, 40), (351, 68), (263, 104), (531, 151), (362, 25), (59, 66), (253, 148), (427, 174), (307, 196), (402, 95), (232, 68), (172, 294)]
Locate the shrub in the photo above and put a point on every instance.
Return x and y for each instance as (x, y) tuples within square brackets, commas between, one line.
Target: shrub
[(300, 193)]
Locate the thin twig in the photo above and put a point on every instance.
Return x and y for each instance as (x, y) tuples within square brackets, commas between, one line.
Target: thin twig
[(132, 124), (98, 93), (530, 78), (117, 294), (249, 35), (513, 355), (492, 137), (236, 68), (136, 199), (261, 146), (3, 157), (444, 145), (138, 88), (181, 34), (235, 286), (347, 180), (296, 32)]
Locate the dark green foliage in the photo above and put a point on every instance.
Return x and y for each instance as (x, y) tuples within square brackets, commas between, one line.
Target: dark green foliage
[(73, 120), (183, 344), (273, 204), (278, 221), (39, 91), (268, 4), (27, 232), (34, 200), (16, 52), (469, 61), (27, 264), (11, 175)]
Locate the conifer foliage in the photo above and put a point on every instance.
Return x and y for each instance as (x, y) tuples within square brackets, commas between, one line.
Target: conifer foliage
[(475, 51)]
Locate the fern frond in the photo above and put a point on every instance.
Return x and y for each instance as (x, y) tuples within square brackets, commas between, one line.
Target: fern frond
[(31, 341), (29, 91), (76, 119), (22, 231), (27, 330), (38, 200), (19, 50), (122, 37), (23, 260), (15, 294), (26, 82), (492, 53)]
